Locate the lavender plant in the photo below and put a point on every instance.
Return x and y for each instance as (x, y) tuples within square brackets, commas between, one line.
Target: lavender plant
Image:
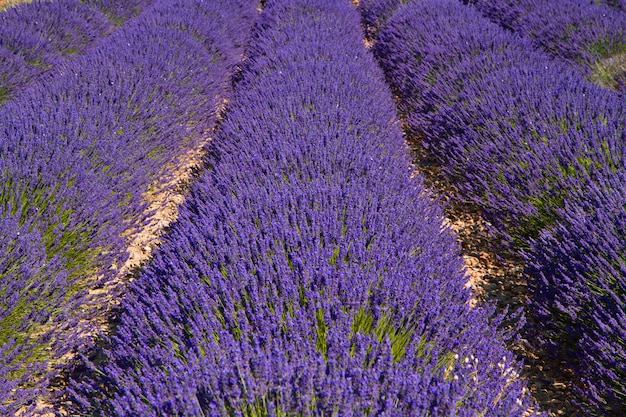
[(27, 278), (79, 154), (590, 35), (540, 150), (579, 271), (38, 36), (309, 272)]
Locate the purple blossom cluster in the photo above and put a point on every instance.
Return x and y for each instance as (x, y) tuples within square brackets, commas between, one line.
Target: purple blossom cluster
[(309, 271), (542, 152), (38, 36), (586, 33), (23, 256), (78, 154)]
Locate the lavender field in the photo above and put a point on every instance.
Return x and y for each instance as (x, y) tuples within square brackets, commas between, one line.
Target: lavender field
[(249, 208)]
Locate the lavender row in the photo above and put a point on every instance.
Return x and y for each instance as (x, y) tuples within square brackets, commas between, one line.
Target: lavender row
[(541, 151), (309, 273), (40, 35), (591, 35), (80, 154), (588, 35)]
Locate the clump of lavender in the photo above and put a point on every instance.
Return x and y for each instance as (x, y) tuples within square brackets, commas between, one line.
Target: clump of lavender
[(38, 37), (583, 33), (579, 291)]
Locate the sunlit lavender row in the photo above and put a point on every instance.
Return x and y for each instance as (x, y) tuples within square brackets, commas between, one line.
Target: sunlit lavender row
[(37, 37), (309, 272), (78, 155), (591, 35), (541, 151)]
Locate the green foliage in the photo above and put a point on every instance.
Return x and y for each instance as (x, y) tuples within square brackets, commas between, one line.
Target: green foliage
[(4, 93), (333, 259), (320, 330), (546, 215), (38, 62), (399, 336), (607, 47), (606, 71), (259, 408)]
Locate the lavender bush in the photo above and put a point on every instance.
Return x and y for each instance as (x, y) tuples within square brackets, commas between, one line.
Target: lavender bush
[(309, 272), (579, 281), (26, 279), (591, 35), (78, 154), (38, 36), (541, 151)]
